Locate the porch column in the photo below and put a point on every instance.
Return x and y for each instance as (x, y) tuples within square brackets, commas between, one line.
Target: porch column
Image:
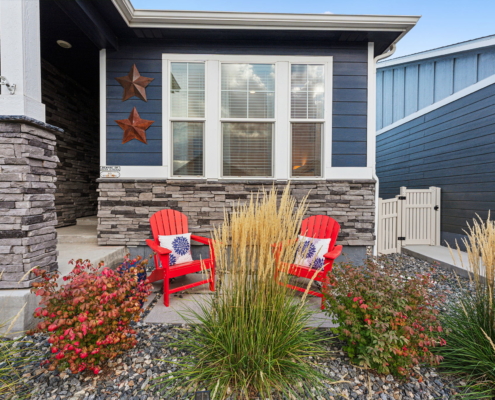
[(20, 61)]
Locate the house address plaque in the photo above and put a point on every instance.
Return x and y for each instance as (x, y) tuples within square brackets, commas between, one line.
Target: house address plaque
[(109, 172)]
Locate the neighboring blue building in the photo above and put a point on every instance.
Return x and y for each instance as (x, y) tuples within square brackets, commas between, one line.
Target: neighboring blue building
[(436, 127)]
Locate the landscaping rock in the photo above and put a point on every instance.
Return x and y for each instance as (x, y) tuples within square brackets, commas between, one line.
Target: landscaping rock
[(131, 375)]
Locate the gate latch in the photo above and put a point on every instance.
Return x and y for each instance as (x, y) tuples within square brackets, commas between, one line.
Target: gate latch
[(436, 208), (401, 197), (401, 238)]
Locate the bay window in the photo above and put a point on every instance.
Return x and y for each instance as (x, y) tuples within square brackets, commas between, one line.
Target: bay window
[(247, 117)]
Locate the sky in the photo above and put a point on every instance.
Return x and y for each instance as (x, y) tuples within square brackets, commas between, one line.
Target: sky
[(442, 23)]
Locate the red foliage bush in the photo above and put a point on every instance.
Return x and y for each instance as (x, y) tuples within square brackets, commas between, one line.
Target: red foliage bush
[(388, 322), (89, 317)]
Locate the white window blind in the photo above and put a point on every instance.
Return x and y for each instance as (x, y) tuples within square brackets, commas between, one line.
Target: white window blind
[(188, 148), (187, 111), (307, 91), (247, 149), (248, 90), (187, 90), (306, 149)]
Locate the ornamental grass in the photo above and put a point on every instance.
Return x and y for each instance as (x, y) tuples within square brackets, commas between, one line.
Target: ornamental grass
[(470, 350), (252, 339)]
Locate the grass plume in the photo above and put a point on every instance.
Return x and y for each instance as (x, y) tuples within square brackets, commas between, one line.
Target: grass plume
[(252, 339), (470, 350)]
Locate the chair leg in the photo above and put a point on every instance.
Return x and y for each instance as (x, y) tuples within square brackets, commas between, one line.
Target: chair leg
[(166, 294), (324, 289), (212, 278)]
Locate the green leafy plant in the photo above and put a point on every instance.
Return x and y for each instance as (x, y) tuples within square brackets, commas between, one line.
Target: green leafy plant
[(253, 338), (470, 322), (88, 318), (389, 323)]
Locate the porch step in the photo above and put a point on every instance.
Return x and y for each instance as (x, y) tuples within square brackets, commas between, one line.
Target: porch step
[(93, 221), (77, 234), (110, 255), (80, 242)]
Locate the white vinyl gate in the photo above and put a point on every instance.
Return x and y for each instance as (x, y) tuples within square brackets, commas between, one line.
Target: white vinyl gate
[(412, 217)]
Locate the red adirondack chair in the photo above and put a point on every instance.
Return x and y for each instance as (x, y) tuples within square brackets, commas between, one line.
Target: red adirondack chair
[(318, 227), (170, 222)]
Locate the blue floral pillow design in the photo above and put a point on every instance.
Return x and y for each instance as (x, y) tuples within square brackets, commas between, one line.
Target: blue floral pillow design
[(310, 252), (180, 245)]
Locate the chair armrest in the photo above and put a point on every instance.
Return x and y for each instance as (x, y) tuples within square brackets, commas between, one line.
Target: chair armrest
[(332, 255), (157, 249), (201, 239)]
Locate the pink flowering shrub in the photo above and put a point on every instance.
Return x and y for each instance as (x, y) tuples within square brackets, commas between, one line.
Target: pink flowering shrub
[(389, 323), (88, 318)]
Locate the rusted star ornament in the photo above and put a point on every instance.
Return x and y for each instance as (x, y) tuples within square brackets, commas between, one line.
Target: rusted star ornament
[(134, 84), (134, 127)]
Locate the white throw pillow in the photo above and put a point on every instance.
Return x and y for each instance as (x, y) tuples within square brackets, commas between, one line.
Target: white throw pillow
[(310, 252), (179, 245)]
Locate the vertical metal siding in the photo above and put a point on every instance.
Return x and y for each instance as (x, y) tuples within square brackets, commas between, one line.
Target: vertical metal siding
[(404, 89), (411, 90), (465, 71), (398, 95)]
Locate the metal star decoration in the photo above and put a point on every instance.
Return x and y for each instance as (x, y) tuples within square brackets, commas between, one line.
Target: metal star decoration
[(134, 127), (134, 84)]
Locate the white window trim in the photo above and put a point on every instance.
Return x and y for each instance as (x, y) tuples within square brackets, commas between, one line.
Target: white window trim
[(281, 151)]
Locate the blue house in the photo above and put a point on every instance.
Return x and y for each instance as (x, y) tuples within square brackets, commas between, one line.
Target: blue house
[(436, 127), (118, 113)]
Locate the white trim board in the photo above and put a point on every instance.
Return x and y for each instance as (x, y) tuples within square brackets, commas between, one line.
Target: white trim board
[(103, 106), (248, 20), (442, 51), (456, 96)]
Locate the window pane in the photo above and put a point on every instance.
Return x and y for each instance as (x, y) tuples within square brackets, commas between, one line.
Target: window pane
[(306, 149), (188, 148), (307, 91), (187, 90), (248, 90), (247, 149)]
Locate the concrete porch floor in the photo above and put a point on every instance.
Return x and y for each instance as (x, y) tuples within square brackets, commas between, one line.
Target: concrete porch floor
[(441, 255), (192, 298), (80, 241)]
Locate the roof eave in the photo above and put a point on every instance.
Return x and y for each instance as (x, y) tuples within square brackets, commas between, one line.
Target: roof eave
[(244, 20)]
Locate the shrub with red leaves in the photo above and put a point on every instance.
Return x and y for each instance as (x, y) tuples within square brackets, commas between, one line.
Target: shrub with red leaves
[(389, 322), (88, 318)]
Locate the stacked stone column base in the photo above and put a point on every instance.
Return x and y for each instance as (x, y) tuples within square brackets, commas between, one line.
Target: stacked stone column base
[(27, 211)]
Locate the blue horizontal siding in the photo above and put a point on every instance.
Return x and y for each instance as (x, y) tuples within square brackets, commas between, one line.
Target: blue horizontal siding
[(452, 148), (349, 93)]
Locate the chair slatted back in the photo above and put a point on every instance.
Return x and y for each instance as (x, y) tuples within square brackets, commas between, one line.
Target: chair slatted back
[(321, 227), (168, 222)]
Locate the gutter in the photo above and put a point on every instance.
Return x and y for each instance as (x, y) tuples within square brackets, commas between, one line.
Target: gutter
[(245, 20)]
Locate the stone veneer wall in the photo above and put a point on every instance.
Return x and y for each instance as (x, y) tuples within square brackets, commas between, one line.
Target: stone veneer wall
[(27, 201), (73, 108), (125, 205)]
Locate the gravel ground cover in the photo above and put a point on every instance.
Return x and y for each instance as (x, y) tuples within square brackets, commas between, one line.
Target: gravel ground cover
[(130, 377)]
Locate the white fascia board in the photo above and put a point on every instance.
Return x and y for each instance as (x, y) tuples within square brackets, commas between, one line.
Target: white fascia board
[(456, 96), (442, 51), (244, 20)]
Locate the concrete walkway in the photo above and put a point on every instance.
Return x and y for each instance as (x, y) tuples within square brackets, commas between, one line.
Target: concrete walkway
[(191, 300), (441, 255), (80, 241)]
